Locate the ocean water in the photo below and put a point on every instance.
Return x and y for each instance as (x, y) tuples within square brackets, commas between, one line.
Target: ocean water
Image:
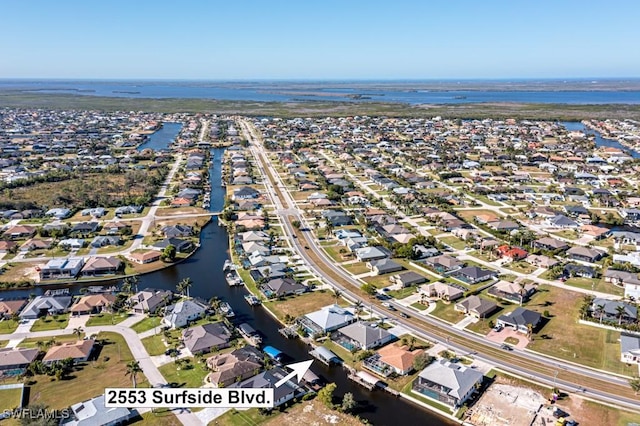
[(581, 92)]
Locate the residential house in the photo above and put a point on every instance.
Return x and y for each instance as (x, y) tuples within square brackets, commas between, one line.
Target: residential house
[(93, 304), (79, 351), (441, 291), (99, 266), (476, 306), (337, 217), (36, 244), (94, 412), (551, 244), (245, 193), (585, 254), (384, 266), (448, 383), (614, 311), (183, 312), (17, 359), (268, 379), (512, 292), (503, 225), (61, 268), (8, 308), (520, 320), (150, 300), (473, 274), (369, 253), (172, 231), (19, 231), (407, 279), (541, 261), (326, 319), (444, 264), (629, 348), (182, 246), (145, 257), (84, 228), (207, 337), (46, 305), (71, 243), (362, 336), (562, 222), (105, 240), (225, 368), (281, 287), (398, 358), (577, 270), (511, 253)]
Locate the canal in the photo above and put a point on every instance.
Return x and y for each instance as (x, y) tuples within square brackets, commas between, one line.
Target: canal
[(599, 140), (205, 269), (162, 138)]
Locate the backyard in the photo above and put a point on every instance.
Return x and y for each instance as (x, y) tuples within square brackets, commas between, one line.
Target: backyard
[(303, 304)]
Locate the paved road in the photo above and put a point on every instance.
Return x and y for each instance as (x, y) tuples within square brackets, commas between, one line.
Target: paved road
[(347, 283)]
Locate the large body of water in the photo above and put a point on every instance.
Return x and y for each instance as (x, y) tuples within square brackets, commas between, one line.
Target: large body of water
[(163, 137), (373, 91), (205, 269)]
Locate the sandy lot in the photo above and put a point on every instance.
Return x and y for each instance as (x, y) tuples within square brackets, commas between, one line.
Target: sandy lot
[(504, 404)]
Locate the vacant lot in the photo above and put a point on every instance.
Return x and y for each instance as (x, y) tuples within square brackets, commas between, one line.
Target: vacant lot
[(10, 398), (189, 374), (303, 304)]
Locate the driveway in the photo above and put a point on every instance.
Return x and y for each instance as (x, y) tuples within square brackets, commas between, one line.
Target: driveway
[(501, 336)]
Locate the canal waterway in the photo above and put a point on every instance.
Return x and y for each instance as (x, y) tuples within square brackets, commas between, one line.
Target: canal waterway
[(205, 269), (162, 138), (599, 140)]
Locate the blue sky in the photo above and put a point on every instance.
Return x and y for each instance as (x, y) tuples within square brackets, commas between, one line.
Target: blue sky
[(349, 39)]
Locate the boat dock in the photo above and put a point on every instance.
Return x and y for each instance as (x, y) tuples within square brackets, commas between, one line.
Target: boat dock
[(325, 356), (289, 332)]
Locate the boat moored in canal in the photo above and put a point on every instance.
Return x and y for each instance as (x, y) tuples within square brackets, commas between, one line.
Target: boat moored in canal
[(226, 310)]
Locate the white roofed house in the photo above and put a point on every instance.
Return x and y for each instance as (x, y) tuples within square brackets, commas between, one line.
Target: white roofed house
[(61, 268), (448, 383), (327, 319), (629, 348), (183, 312)]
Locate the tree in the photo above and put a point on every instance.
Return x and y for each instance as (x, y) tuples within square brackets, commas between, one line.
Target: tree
[(325, 395), (368, 288), (296, 224), (600, 311), (348, 402), (634, 382), (184, 285), (620, 310), (133, 368), (336, 294), (421, 361), (169, 253), (78, 331)]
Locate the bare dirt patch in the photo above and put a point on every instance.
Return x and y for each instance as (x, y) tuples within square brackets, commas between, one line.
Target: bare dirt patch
[(312, 413)]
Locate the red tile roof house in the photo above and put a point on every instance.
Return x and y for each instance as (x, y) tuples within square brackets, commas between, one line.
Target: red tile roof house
[(512, 253)]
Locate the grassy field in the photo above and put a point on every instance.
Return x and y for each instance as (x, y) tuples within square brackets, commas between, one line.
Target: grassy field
[(447, 312), (404, 292), (32, 342), (454, 242), (56, 322), (595, 284), (159, 417), (303, 304), (90, 378), (10, 398), (106, 319), (356, 268), (155, 344), (190, 375), (8, 326), (146, 324)]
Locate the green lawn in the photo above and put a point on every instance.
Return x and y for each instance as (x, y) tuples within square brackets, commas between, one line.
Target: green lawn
[(90, 378), (250, 417), (419, 306), (454, 242), (159, 417), (190, 375), (521, 266), (8, 326), (379, 281), (10, 398), (32, 342), (55, 322), (346, 356), (356, 268), (146, 324), (404, 292), (3, 343), (447, 312), (155, 344), (595, 284), (295, 306), (107, 319)]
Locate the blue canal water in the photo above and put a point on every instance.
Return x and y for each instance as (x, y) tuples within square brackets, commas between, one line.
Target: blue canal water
[(162, 138), (283, 92), (205, 269), (599, 140)]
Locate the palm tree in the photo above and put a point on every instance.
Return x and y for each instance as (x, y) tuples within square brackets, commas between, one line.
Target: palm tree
[(133, 368), (78, 331), (359, 305), (620, 310), (600, 311), (337, 293), (522, 292), (184, 285)]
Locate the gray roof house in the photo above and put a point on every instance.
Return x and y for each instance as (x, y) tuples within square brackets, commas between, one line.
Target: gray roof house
[(519, 319), (384, 266), (609, 311), (629, 348), (46, 305), (149, 300), (447, 382), (473, 274), (204, 338), (93, 412), (407, 279), (365, 254), (280, 287), (183, 312), (268, 379), (327, 319), (362, 335), (181, 246)]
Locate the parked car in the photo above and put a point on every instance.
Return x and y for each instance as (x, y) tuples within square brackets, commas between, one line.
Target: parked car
[(498, 327), (403, 315), (506, 347)]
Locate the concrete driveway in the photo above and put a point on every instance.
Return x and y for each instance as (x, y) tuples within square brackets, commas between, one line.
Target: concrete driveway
[(501, 336)]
